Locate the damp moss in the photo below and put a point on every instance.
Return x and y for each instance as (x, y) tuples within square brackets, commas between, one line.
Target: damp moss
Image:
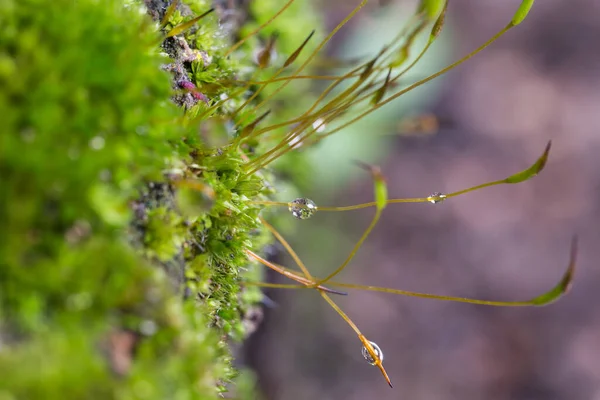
[(114, 282)]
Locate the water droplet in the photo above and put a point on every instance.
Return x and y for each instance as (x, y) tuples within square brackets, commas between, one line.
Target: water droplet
[(319, 125), (302, 208), (296, 142), (436, 197), (367, 356)]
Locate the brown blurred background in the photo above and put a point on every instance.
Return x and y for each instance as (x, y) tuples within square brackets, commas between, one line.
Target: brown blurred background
[(540, 82)]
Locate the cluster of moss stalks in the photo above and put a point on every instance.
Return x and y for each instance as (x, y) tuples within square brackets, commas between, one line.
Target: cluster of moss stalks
[(114, 281)]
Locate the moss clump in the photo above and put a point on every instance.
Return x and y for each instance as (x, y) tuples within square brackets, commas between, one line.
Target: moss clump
[(96, 241)]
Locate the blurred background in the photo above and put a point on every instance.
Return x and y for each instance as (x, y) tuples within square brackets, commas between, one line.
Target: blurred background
[(539, 82)]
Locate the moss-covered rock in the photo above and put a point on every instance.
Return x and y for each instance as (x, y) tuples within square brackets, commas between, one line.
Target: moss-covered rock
[(114, 281)]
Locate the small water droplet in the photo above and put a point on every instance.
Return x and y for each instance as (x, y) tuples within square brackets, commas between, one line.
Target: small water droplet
[(436, 197), (319, 125), (302, 208), (367, 356), (296, 142)]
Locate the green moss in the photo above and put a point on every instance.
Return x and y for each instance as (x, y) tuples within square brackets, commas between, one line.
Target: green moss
[(164, 236), (94, 249)]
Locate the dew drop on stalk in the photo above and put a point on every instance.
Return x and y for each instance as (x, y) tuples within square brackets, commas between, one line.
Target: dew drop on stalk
[(367, 356), (319, 125), (302, 208), (296, 142), (436, 197)]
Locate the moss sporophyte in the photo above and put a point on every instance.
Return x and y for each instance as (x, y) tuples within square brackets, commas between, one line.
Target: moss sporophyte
[(365, 88), (179, 190)]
